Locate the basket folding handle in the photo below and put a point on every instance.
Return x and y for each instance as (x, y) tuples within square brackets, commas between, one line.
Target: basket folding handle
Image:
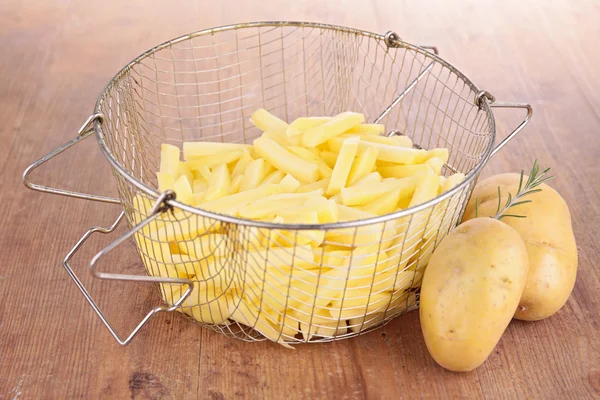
[(486, 96), (83, 132), (159, 207)]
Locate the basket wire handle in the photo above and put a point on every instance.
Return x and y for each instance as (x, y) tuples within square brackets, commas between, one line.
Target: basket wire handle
[(392, 40), (83, 132), (485, 96), (159, 207)]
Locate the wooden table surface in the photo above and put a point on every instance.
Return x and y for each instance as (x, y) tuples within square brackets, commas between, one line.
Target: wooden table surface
[(55, 58)]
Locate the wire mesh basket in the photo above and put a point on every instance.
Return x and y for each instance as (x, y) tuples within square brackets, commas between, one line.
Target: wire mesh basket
[(254, 280)]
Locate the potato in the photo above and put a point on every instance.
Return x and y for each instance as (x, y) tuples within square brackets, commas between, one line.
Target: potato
[(198, 150), (300, 125), (242, 164), (549, 239), (470, 292), (336, 126), (214, 160), (219, 184), (166, 181), (169, 160), (211, 311), (403, 171), (285, 161), (266, 121), (342, 167), (274, 177), (364, 193), (254, 174), (309, 281), (230, 204), (385, 204), (363, 164), (183, 190), (368, 129)]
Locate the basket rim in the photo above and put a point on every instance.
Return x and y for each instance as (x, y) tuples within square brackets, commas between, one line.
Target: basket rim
[(469, 177)]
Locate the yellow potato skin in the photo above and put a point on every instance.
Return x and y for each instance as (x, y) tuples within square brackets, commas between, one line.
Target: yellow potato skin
[(470, 292), (548, 236)]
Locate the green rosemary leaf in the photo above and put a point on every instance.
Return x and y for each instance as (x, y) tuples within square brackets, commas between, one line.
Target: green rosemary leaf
[(535, 179)]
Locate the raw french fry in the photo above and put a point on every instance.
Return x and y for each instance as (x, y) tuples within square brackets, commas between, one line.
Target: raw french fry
[(198, 198), (199, 185), (329, 158), (403, 171), (184, 228), (229, 204), (165, 181), (287, 238), (359, 304), (441, 187), (215, 311), (324, 170), (274, 177), (342, 167), (157, 259), (268, 207), (214, 160), (385, 204), (436, 164), (438, 152), (183, 190), (204, 172), (195, 150), (325, 258), (169, 160), (185, 170), (304, 153), (372, 177), (268, 326), (322, 184), (368, 235), (282, 139), (219, 184), (266, 121), (360, 195), (427, 187), (290, 184), (204, 246), (402, 141), (398, 154), (335, 144), (242, 164), (320, 324), (236, 183), (326, 210), (336, 126), (452, 181), (254, 174), (364, 163), (285, 161), (352, 214), (300, 125), (276, 258), (369, 129)]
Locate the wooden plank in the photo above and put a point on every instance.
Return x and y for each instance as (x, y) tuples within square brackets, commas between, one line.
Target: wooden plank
[(58, 56)]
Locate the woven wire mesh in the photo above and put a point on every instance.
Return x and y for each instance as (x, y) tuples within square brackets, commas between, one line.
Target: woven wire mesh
[(253, 282)]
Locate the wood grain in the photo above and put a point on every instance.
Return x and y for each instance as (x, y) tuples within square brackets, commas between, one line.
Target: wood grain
[(56, 58)]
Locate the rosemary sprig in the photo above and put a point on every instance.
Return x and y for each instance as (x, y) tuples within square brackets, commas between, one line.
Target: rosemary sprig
[(536, 178)]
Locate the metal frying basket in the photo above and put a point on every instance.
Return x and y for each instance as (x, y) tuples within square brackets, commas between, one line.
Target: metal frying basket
[(249, 279)]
